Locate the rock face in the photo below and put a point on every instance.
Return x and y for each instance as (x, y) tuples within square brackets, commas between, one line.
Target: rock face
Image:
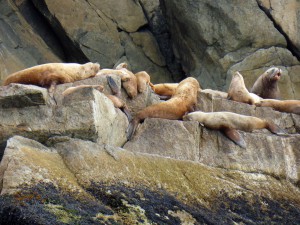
[(170, 39), (66, 160)]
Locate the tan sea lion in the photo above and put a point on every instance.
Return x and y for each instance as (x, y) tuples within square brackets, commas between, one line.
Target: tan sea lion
[(183, 100), (288, 106), (128, 79), (51, 74), (266, 84), (165, 90), (215, 93), (238, 92), (229, 123), (143, 79)]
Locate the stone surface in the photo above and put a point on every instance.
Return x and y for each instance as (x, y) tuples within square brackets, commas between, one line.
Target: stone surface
[(111, 185)]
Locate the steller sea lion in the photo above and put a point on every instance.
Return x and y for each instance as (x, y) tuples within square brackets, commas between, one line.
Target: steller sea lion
[(288, 106), (143, 79), (229, 123), (51, 74), (165, 90), (183, 100), (238, 92), (128, 79), (266, 84)]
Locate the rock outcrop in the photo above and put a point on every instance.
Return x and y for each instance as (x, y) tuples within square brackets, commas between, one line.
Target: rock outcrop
[(66, 160)]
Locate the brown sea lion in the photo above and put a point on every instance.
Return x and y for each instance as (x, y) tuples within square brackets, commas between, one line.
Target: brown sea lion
[(51, 74), (238, 92), (183, 100), (165, 90), (143, 79), (128, 79), (266, 84), (229, 123), (288, 106)]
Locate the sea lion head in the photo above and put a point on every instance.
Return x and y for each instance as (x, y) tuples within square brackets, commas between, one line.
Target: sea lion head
[(129, 83), (122, 66), (194, 116), (273, 73), (90, 69)]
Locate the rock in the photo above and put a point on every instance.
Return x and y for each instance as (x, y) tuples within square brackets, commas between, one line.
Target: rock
[(132, 188), (90, 35), (91, 117), (284, 13), (18, 95), (215, 30), (21, 45)]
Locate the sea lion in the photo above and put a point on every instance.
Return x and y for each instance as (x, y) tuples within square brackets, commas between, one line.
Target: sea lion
[(165, 90), (128, 79), (215, 93), (118, 103), (238, 92), (143, 79), (183, 100), (266, 84), (288, 106), (229, 123), (51, 74)]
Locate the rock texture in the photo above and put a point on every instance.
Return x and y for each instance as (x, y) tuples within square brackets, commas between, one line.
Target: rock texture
[(170, 39)]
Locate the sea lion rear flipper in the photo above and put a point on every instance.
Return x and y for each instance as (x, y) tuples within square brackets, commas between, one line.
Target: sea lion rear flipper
[(275, 129), (235, 136), (131, 128), (113, 86)]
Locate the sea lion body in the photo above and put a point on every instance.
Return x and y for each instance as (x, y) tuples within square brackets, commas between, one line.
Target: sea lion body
[(165, 89), (48, 74), (128, 79), (238, 92), (288, 106), (266, 85), (229, 123), (183, 100)]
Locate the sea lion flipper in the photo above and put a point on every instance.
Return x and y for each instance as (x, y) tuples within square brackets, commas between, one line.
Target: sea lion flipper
[(131, 128), (127, 113), (235, 136), (275, 129), (113, 85), (164, 97)]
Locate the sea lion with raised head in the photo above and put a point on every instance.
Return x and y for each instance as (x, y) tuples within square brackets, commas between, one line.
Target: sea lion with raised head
[(128, 79), (288, 106), (50, 74), (266, 85), (183, 100), (237, 91), (229, 123)]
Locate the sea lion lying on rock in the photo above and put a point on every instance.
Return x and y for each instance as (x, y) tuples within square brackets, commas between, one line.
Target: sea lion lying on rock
[(288, 106), (229, 123), (266, 84), (238, 92), (183, 100), (51, 74), (165, 90), (128, 79)]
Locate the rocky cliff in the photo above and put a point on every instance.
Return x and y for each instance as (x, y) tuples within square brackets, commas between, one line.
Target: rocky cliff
[(67, 161), (170, 39)]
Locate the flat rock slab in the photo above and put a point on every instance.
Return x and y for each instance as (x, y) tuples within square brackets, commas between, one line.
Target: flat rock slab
[(19, 96)]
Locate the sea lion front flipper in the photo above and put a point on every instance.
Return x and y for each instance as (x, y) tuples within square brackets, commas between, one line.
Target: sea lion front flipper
[(235, 136), (113, 86), (275, 129)]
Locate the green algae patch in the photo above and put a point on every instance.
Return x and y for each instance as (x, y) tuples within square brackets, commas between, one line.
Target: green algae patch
[(63, 215)]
